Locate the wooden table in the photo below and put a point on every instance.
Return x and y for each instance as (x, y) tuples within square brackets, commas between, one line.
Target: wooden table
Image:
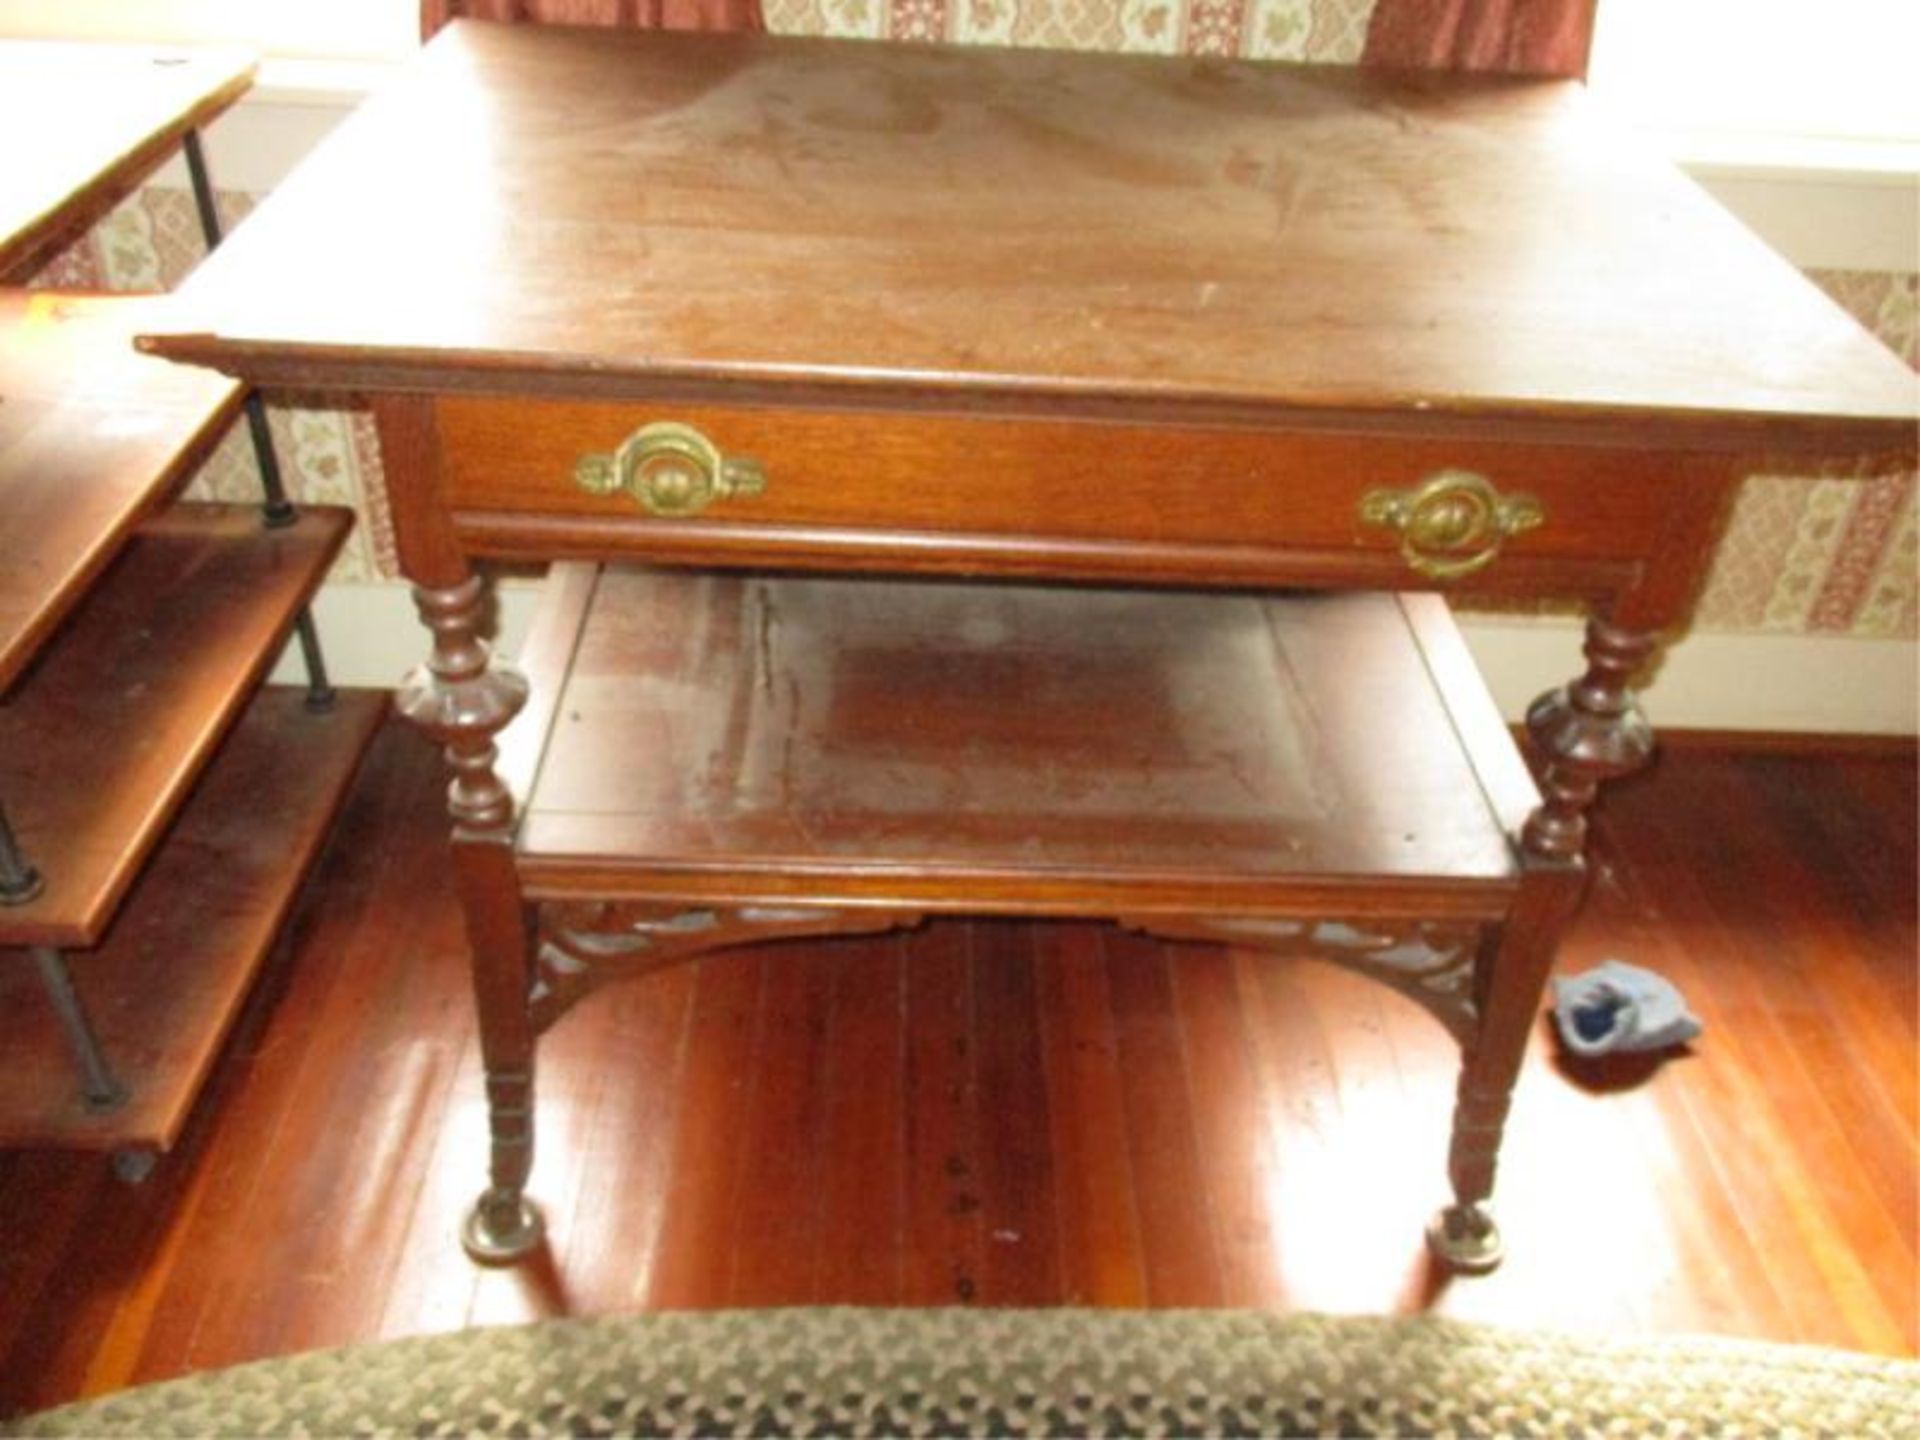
[(1166, 327)]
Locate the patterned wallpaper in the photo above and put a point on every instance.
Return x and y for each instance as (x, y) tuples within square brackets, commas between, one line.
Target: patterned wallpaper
[(1827, 554), (1326, 30)]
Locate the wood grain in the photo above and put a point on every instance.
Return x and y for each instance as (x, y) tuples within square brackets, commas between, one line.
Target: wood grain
[(101, 746), (858, 1251), (944, 1241), (945, 473), (92, 437), (1754, 1185), (164, 989), (991, 495), (991, 231)]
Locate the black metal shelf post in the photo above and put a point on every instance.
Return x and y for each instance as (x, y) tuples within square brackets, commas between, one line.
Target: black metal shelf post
[(277, 510)]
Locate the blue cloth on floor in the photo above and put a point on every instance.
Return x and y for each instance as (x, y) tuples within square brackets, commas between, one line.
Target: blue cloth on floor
[(1616, 1007)]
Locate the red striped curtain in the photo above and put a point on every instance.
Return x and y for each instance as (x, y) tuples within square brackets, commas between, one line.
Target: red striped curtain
[(1523, 37), (1534, 37), (630, 14)]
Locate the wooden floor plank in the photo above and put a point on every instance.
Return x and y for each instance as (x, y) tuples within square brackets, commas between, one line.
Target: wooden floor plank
[(611, 1243), (77, 1270), (1015, 1164), (304, 1183), (1829, 1013), (1178, 1240), (1730, 951), (1237, 1158), (858, 1251), (1098, 1224), (1693, 1228), (971, 1081), (1300, 1098), (432, 1283), (776, 1217), (945, 1240), (695, 1263)]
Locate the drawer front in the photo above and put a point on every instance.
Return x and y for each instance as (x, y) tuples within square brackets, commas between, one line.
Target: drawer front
[(793, 472)]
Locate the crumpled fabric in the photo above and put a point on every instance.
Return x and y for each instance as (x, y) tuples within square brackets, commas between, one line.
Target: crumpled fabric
[(1616, 1008)]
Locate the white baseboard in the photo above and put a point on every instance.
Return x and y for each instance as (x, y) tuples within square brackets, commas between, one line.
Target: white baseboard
[(1799, 684), (1793, 683)]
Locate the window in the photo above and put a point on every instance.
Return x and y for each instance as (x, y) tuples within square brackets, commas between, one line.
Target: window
[(357, 30), (1831, 71)]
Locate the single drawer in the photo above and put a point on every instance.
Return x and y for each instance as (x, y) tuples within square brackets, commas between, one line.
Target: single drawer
[(1450, 510)]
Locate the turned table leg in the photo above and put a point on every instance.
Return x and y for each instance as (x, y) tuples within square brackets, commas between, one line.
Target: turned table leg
[(1586, 733), (1510, 974), (462, 698), (503, 1224)]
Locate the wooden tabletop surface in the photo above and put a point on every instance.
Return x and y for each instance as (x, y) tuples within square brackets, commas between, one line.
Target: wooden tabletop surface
[(536, 209), (82, 124)]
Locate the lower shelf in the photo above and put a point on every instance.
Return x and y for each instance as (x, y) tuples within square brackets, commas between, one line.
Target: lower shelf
[(166, 982), (1008, 748), (100, 745)]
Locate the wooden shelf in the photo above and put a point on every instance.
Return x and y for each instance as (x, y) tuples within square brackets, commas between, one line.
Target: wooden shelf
[(164, 988), (101, 743), (1037, 747), (92, 436), (170, 885), (87, 123)]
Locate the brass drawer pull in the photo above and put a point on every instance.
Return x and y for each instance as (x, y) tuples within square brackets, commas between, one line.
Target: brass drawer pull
[(671, 470), (1453, 523)]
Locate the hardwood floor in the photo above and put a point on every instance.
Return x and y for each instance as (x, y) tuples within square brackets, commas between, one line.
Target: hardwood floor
[(1032, 1114)]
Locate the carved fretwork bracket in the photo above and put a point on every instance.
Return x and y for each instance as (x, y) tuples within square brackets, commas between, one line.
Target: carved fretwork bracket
[(1430, 962), (582, 945)]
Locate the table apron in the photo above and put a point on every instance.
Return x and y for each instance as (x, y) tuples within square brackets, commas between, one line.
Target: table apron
[(1071, 498), (949, 890)]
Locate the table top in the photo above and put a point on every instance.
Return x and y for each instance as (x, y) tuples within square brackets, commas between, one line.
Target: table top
[(547, 210), (85, 123)]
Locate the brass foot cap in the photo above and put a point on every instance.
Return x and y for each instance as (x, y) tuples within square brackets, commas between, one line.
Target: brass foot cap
[(489, 1242), (1465, 1240)]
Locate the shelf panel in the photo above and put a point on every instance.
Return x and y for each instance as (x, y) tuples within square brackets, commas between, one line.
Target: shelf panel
[(165, 986), (1025, 747), (101, 743), (101, 118), (92, 436)]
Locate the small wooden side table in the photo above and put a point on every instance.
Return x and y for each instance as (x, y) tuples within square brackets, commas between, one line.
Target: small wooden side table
[(792, 312)]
